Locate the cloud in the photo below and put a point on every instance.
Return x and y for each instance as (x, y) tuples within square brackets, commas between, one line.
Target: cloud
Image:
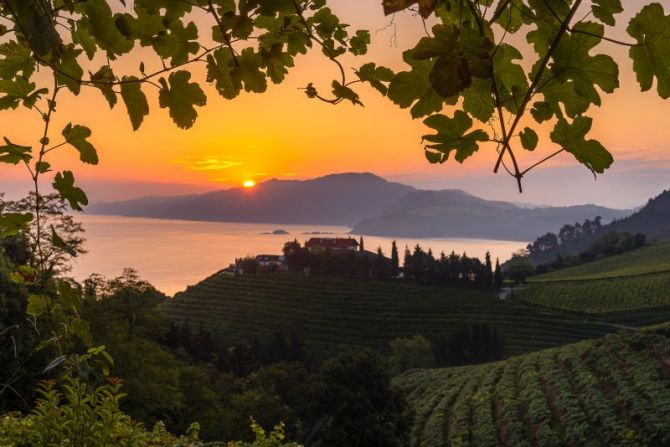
[(207, 163)]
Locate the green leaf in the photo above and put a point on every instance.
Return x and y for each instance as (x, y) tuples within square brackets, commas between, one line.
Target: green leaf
[(64, 184), (104, 29), (38, 305), (344, 92), (15, 58), (413, 88), (69, 71), (38, 28), (42, 167), (12, 223), (510, 77), (651, 58), (572, 138), (58, 242), (103, 79), (542, 111), (452, 136), (135, 100), (529, 139), (376, 76), (76, 136), (82, 36), (358, 44), (18, 91), (275, 61), (220, 65), (14, 154), (179, 43), (604, 10), (478, 100), (181, 97)]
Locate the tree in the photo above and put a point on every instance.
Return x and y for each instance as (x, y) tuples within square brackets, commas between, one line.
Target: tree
[(409, 353), (519, 267), (355, 405), (361, 247), (474, 57), (488, 270), (66, 237), (395, 260), (497, 275)]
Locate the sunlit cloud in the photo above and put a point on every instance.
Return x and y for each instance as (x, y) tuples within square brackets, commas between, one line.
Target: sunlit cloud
[(207, 163)]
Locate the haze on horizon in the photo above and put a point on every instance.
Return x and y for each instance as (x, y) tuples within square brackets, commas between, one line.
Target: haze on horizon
[(283, 134)]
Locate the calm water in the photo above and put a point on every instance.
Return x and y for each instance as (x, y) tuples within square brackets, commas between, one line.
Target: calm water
[(172, 254)]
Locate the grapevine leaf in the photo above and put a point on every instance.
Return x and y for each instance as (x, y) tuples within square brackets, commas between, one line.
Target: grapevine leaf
[(37, 27), (426, 7), (359, 43), (12, 223), (604, 10), (572, 138), (451, 136), (220, 65), (38, 305), (104, 29), (76, 136), (135, 100), (376, 76), (275, 62), (529, 139), (344, 92), (542, 111), (42, 167), (82, 36), (64, 184), (413, 88), (103, 79), (69, 71), (14, 154), (478, 100), (178, 43), (248, 72), (180, 97), (15, 58), (651, 57)]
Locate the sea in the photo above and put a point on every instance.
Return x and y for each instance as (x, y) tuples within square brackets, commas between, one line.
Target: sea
[(173, 254)]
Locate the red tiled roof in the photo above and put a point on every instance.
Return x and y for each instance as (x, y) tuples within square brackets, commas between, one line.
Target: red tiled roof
[(328, 242)]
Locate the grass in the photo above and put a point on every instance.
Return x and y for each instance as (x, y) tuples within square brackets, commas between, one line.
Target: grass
[(611, 391), (334, 314)]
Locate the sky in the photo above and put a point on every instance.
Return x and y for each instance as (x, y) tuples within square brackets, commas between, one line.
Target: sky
[(283, 134)]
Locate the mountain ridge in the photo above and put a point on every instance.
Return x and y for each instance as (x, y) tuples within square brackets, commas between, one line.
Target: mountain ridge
[(366, 202)]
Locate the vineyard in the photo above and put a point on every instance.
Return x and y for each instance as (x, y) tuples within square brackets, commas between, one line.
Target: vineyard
[(631, 288), (334, 314), (653, 258), (602, 295), (611, 391)]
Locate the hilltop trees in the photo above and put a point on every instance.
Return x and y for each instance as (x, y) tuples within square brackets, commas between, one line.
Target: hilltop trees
[(456, 270)]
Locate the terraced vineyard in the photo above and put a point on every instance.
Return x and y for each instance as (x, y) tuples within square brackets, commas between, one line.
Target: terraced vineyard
[(612, 391), (653, 258), (632, 288), (333, 314)]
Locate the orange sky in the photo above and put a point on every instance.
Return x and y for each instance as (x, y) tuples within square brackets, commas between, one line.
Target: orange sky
[(283, 134)]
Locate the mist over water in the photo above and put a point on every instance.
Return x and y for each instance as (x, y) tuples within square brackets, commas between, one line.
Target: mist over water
[(172, 254)]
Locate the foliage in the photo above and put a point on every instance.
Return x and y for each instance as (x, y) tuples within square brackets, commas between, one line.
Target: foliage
[(409, 353), (611, 391), (454, 270), (516, 65), (65, 240), (355, 404), (468, 344), (519, 267)]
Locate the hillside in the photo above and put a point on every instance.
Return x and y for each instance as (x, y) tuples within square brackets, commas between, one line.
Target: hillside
[(630, 288), (611, 391), (454, 213), (341, 199), (652, 220), (334, 314)]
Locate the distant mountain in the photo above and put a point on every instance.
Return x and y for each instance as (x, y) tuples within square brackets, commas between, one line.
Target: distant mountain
[(454, 213), (338, 199)]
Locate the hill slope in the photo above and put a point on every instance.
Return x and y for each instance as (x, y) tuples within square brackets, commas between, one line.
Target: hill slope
[(341, 199), (454, 213), (612, 391), (630, 288), (334, 314)]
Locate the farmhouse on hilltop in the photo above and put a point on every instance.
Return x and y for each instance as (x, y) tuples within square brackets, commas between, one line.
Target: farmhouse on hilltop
[(317, 244)]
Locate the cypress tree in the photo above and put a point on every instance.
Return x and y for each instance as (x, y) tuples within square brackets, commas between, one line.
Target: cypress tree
[(497, 276), (395, 260)]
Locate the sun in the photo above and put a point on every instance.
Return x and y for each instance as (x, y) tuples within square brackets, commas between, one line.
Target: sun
[(249, 184)]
